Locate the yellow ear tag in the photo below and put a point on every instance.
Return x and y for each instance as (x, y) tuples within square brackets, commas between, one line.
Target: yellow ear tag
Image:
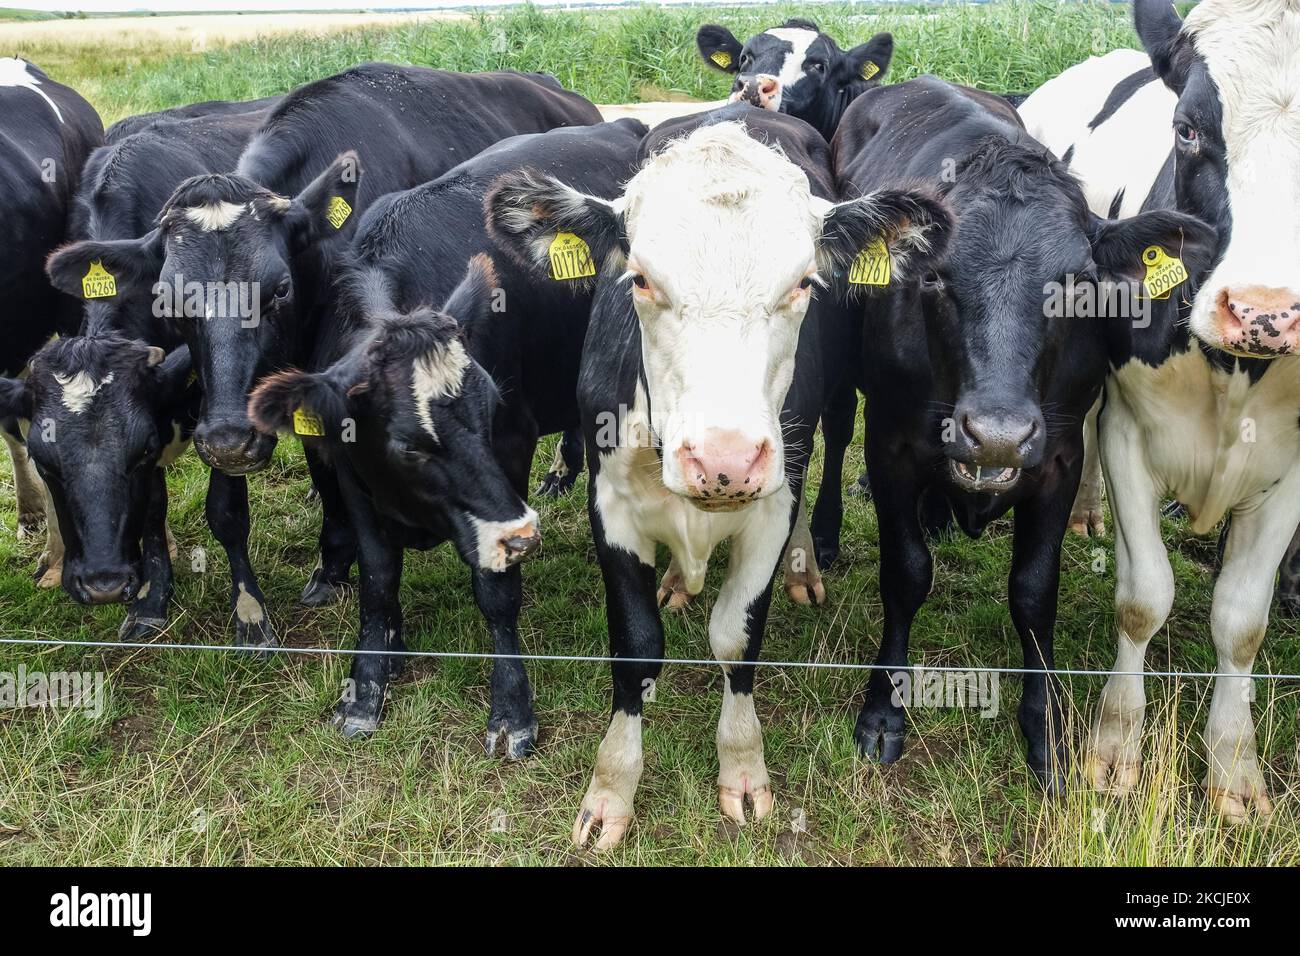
[(307, 423), (98, 283), (721, 57), (871, 267), (1164, 272), (337, 211), (191, 378), (570, 257), (869, 69)]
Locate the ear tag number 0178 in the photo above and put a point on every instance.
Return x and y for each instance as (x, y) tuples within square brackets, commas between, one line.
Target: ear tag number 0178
[(871, 267), (307, 423), (570, 258), (1164, 272)]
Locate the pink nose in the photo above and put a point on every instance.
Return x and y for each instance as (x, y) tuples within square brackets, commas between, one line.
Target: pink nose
[(760, 90), (1259, 320), (725, 466)]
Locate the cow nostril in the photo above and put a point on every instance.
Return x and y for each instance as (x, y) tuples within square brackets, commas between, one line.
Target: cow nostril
[(968, 429)]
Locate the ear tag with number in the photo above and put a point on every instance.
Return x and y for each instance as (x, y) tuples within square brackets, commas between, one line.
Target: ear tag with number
[(337, 211), (721, 57), (98, 283), (871, 267), (869, 69), (307, 423), (1164, 272), (570, 257)]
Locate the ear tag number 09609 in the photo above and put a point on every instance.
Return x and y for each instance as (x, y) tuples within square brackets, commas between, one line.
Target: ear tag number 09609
[(871, 267)]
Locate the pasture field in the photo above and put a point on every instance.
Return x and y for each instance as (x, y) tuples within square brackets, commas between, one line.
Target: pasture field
[(213, 758)]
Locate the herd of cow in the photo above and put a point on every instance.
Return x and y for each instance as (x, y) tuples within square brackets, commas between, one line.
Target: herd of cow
[(419, 273)]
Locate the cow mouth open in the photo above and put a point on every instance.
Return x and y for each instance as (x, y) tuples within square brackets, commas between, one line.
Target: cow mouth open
[(983, 478), (721, 505)]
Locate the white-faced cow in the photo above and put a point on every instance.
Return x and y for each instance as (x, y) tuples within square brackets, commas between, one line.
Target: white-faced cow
[(707, 265), (977, 377), (46, 132), (797, 69), (446, 407), (263, 241), (1205, 405)]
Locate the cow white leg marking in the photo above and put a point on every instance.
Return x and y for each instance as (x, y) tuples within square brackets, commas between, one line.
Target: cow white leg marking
[(247, 608), (802, 578), (1143, 596), (29, 490), (1087, 518), (613, 783)]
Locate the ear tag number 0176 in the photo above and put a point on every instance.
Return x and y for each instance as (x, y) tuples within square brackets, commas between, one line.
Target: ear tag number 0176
[(570, 258), (307, 423), (1164, 272), (871, 267)]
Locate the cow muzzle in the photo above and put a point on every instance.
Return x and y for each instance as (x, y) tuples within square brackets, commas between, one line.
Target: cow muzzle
[(761, 89), (104, 586), (726, 470), (235, 448), (1258, 321), (992, 447), (503, 544)]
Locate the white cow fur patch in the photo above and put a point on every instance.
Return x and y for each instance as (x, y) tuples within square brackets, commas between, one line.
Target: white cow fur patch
[(80, 389), (489, 535), (13, 72), (438, 374), (214, 216), (792, 69)]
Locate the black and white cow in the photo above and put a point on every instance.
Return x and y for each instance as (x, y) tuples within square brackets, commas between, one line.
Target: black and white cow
[(977, 378), (446, 407), (46, 132), (1204, 407), (140, 122), (268, 232), (797, 69), (707, 265)]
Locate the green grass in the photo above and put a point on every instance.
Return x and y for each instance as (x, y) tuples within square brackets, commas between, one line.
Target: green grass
[(211, 758)]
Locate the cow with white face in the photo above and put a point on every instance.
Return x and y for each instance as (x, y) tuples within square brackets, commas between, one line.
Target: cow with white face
[(1207, 404), (797, 69), (692, 389)]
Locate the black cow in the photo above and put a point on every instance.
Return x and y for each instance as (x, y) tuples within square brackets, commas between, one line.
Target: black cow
[(797, 69), (446, 407), (46, 132), (260, 240), (140, 122), (698, 391), (977, 376)]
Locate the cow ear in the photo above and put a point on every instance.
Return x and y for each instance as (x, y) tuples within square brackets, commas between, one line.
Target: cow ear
[(327, 207), (105, 270), (272, 404), (869, 61), (553, 230), (1158, 26), (173, 374), (15, 398), (720, 49), (472, 300), (913, 225), (1119, 246)]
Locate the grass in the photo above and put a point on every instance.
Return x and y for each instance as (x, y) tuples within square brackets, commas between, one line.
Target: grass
[(212, 758)]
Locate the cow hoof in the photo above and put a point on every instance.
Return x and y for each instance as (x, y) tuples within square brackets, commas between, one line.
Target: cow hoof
[(30, 525), (48, 575), (860, 488), (1234, 806), (1172, 510), (607, 809), (805, 587), (1110, 772), (256, 634), (320, 591), (731, 801), (880, 734), (517, 743), (138, 628), (1052, 780), (354, 721), (555, 486), (1088, 524)]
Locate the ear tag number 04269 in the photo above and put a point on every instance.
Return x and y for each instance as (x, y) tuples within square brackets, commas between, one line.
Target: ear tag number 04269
[(98, 283), (337, 211), (871, 267), (307, 423), (570, 258), (1164, 272)]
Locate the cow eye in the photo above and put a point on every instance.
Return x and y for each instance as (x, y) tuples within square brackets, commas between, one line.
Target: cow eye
[(932, 282), (1187, 135), (282, 288), (639, 281), (817, 66)]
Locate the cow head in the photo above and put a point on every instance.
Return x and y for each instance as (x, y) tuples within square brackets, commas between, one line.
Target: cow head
[(226, 266), (412, 412), (719, 246), (102, 412), (1235, 67), (1001, 331), (797, 69)]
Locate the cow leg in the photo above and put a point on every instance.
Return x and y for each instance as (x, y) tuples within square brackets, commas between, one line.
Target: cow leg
[(802, 577), (672, 593), (1238, 619), (635, 631), (1032, 591), (49, 566), (566, 466), (736, 635), (148, 613), (227, 514), (29, 490), (1288, 582), (828, 512), (499, 596), (906, 572), (1087, 517), (1144, 593), (338, 540)]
